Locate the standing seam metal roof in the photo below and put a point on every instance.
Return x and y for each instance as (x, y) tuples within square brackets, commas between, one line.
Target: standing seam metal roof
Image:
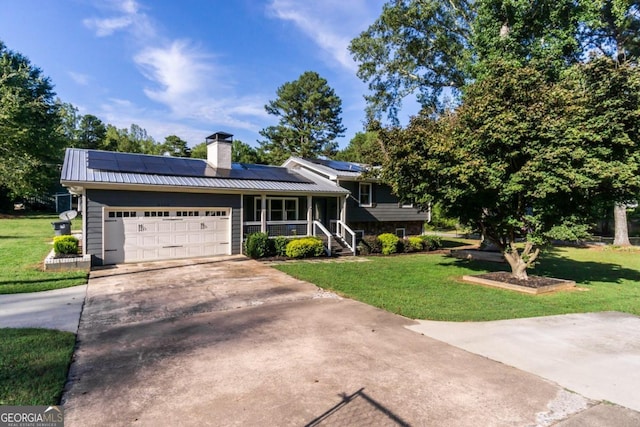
[(76, 169)]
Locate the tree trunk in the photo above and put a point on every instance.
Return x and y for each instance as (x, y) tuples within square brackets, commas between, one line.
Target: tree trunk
[(518, 266), (621, 237)]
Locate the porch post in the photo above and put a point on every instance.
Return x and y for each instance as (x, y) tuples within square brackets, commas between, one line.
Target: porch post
[(309, 215), (343, 213), (263, 213)]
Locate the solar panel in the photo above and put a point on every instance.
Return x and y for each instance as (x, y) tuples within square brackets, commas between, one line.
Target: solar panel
[(176, 166), (339, 165)]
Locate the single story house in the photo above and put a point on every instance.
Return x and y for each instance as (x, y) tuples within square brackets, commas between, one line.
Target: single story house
[(139, 207)]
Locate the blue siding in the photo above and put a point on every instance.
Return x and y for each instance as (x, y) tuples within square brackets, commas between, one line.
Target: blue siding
[(97, 199)]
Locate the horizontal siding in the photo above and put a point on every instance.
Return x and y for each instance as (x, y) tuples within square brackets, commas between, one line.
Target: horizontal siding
[(386, 206), (97, 199)]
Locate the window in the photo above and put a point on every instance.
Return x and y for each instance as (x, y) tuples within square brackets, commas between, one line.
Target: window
[(278, 209), (124, 214), (156, 213), (400, 232), (365, 194)]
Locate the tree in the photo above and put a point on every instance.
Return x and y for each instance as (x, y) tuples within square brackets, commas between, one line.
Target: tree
[(132, 140), (520, 159), (244, 153), (612, 29), (309, 120), (175, 146), (91, 133), (363, 148), (31, 146), (415, 46), (199, 151)]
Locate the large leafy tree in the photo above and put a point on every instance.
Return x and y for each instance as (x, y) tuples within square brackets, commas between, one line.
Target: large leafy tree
[(364, 147), (538, 139), (30, 143), (309, 120), (416, 47), (612, 29)]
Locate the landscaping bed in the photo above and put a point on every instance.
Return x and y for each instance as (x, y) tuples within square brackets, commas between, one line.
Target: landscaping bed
[(534, 285)]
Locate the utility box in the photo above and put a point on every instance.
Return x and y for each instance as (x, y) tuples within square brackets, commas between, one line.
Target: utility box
[(61, 228)]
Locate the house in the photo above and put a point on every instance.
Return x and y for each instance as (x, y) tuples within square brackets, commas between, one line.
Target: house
[(371, 207), (139, 207)]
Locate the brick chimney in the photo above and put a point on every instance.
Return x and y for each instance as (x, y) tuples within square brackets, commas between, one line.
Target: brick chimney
[(219, 150)]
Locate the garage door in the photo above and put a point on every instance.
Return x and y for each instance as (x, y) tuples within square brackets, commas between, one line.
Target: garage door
[(135, 235)]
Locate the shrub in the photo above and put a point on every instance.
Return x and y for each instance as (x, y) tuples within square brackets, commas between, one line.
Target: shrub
[(280, 245), (431, 243), (413, 244), (389, 243), (257, 245), (65, 245), (305, 247), (369, 245)]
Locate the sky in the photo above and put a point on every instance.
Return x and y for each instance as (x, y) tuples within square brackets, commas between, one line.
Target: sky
[(190, 67)]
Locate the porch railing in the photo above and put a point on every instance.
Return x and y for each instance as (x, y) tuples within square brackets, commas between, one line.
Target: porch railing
[(320, 231), (277, 228), (347, 235)]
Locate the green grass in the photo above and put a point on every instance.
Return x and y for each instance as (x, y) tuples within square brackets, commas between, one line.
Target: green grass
[(25, 241), (33, 365), (424, 286)]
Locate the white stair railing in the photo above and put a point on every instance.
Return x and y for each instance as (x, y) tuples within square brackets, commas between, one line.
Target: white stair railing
[(318, 226), (344, 231)]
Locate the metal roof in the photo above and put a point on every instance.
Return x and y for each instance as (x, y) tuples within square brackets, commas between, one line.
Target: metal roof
[(340, 170), (76, 172)]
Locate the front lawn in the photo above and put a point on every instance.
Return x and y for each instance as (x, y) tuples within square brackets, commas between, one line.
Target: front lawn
[(33, 365), (25, 241), (429, 286)]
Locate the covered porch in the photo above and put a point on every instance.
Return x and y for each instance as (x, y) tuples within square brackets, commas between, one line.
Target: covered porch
[(295, 216)]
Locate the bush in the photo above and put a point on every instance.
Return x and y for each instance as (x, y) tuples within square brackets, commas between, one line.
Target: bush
[(413, 244), (305, 247), (280, 245), (389, 243), (430, 242), (65, 245), (369, 245), (257, 245)]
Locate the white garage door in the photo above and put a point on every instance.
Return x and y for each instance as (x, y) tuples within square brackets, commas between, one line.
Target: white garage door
[(135, 235)]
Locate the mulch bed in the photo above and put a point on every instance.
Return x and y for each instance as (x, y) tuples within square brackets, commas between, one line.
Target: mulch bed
[(535, 285), (533, 282)]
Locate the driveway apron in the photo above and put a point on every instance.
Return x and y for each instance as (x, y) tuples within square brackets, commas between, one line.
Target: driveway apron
[(230, 341)]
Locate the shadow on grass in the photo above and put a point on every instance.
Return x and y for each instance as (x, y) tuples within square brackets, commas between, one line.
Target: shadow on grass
[(552, 264), (448, 244)]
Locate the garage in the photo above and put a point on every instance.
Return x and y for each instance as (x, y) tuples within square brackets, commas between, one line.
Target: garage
[(145, 234)]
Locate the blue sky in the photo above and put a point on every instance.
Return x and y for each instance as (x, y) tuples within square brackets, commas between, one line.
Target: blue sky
[(190, 67)]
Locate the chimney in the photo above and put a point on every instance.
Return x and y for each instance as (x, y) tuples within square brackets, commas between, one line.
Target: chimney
[(219, 150)]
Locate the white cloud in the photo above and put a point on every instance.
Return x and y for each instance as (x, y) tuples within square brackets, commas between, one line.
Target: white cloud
[(331, 24), (79, 78), (179, 69), (129, 18)]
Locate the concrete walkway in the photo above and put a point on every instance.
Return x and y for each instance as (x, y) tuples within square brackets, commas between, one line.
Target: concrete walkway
[(594, 354), (57, 309)]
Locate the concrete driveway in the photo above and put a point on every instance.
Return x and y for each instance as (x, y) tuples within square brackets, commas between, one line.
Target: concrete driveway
[(56, 309), (230, 341)]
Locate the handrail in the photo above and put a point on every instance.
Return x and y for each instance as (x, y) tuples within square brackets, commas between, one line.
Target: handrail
[(326, 233), (340, 229)]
